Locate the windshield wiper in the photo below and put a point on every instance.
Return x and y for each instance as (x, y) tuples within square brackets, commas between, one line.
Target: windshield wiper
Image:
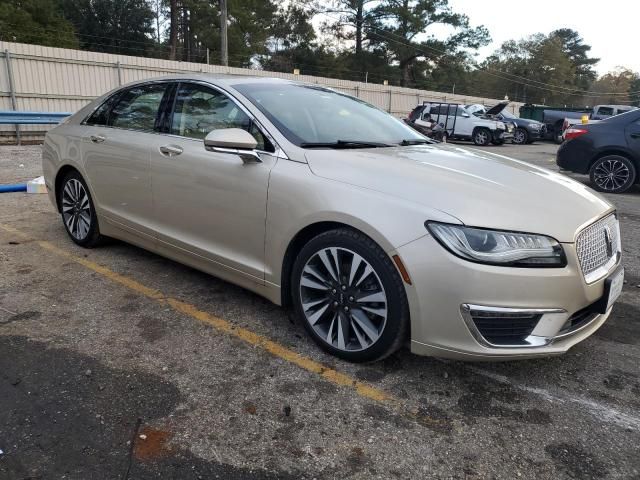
[(344, 144), (416, 141)]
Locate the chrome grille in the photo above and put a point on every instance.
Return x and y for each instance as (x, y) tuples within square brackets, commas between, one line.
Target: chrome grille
[(595, 253)]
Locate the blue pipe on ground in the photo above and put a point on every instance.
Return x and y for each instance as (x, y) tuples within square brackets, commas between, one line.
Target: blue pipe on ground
[(16, 187)]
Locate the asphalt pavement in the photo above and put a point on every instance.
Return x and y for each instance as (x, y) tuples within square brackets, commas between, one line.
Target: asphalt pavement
[(116, 363)]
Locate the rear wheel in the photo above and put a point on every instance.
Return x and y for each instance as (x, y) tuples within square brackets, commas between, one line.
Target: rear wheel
[(613, 174), (520, 136), (349, 296), (482, 137), (557, 133), (78, 213)]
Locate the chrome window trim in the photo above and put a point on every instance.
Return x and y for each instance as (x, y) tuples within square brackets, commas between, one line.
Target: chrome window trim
[(533, 341), (279, 152)]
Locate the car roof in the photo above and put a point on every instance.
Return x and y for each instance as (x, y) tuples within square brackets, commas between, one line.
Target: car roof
[(217, 78)]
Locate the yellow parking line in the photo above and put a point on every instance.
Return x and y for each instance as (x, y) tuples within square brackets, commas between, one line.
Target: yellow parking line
[(252, 338)]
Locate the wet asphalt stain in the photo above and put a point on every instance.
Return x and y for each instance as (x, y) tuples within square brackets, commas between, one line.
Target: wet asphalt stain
[(623, 326), (65, 415), (576, 462), (130, 307), (151, 329), (487, 398), (619, 380), (28, 315)]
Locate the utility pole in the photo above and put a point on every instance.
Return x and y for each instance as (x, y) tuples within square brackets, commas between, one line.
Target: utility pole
[(224, 51)]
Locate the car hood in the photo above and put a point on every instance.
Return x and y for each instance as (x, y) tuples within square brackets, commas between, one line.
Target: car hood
[(496, 109), (480, 189), (524, 121)]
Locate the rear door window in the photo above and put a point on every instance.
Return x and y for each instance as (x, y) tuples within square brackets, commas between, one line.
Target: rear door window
[(605, 111), (100, 116), (137, 108)]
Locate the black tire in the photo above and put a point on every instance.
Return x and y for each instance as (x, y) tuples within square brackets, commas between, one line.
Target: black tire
[(557, 133), (612, 174), (482, 137), (521, 136), (395, 329), (91, 237), (500, 141)]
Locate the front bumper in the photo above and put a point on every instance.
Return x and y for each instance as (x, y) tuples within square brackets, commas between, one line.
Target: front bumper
[(445, 285), (536, 134)]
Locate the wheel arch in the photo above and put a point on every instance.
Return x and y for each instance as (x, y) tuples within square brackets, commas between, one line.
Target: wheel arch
[(60, 175), (299, 240)]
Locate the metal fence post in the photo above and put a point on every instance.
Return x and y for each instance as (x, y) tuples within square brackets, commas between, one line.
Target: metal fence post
[(390, 100), (119, 73), (357, 91), (12, 91)]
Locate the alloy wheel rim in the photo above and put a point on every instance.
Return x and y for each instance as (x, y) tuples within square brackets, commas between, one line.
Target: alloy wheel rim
[(481, 137), (343, 299), (76, 210), (611, 175), (519, 136)]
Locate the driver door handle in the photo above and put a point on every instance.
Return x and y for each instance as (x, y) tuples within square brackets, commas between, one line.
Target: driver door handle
[(170, 150), (97, 138), (635, 135)]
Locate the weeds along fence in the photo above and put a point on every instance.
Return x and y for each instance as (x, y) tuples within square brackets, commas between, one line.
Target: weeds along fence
[(48, 79)]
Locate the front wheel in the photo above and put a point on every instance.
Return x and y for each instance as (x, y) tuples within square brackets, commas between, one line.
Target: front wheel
[(482, 137), (520, 136), (612, 174), (78, 213), (349, 296)]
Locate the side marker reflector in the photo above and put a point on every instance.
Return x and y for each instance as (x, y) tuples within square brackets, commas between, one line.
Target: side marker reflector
[(401, 269)]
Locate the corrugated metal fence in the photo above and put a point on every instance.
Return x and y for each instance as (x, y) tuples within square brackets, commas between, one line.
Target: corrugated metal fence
[(37, 78)]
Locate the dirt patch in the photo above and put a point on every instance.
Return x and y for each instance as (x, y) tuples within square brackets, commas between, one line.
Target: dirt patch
[(152, 444)]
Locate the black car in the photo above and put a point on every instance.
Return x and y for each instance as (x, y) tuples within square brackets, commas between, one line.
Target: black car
[(526, 130), (609, 151)]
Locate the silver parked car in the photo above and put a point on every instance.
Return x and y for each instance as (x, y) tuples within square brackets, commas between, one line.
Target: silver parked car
[(318, 201)]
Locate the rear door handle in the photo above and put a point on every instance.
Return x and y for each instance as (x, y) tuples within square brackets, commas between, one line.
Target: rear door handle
[(98, 138), (635, 135), (170, 150)]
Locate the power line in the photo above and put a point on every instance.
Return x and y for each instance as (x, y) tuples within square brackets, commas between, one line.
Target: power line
[(527, 82)]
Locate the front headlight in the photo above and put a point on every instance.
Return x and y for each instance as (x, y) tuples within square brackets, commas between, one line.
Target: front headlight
[(497, 247), (500, 125)]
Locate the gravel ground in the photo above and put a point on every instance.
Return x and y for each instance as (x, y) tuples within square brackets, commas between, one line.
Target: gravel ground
[(100, 378)]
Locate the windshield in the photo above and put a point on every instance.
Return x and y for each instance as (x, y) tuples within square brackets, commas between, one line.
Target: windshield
[(308, 115), (506, 114)]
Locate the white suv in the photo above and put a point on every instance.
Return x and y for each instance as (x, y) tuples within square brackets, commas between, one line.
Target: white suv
[(459, 123)]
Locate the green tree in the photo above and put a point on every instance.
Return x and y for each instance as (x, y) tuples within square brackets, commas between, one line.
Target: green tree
[(614, 87), (404, 29), (35, 21), (634, 91), (577, 51), (534, 69), (114, 26)]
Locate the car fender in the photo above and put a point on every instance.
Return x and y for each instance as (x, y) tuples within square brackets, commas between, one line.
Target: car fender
[(389, 220)]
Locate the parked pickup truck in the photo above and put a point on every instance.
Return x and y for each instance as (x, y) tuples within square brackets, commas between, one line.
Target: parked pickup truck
[(554, 119), (600, 112), (459, 123)]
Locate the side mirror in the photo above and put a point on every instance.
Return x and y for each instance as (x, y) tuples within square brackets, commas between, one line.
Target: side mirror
[(234, 141), (465, 115)]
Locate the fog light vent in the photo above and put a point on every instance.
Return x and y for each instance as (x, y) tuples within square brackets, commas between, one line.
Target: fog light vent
[(505, 328)]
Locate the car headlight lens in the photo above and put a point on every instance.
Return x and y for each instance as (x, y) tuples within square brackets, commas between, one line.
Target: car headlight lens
[(497, 247)]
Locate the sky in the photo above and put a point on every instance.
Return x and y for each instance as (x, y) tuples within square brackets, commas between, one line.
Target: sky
[(611, 27)]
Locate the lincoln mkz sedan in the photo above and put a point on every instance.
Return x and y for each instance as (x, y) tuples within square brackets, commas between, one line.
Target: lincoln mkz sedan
[(372, 234)]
